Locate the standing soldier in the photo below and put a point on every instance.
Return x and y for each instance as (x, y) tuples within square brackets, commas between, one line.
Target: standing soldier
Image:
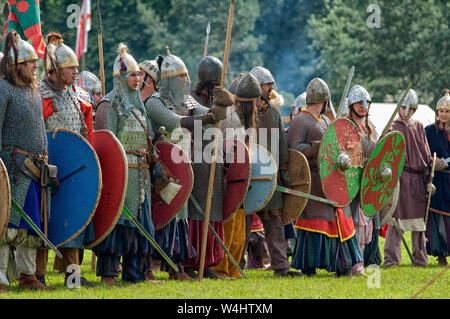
[(21, 106), (242, 118), (122, 112), (65, 105), (438, 224), (173, 108), (359, 102), (90, 83), (269, 122), (411, 205), (319, 243)]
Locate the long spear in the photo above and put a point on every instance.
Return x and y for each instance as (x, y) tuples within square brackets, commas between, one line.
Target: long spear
[(388, 125), (100, 48), (208, 29), (344, 94), (216, 143)]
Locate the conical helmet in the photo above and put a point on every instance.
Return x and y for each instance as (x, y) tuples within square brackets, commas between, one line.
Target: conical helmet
[(411, 101), (248, 88), (172, 66), (151, 68), (209, 69), (59, 55), (124, 62), (444, 102), (25, 52), (263, 75), (317, 91), (234, 84), (89, 82), (358, 94), (300, 101)]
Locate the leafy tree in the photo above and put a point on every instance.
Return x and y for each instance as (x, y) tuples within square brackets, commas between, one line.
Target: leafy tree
[(409, 46)]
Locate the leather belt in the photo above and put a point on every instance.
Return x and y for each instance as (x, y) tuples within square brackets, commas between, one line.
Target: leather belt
[(38, 157)]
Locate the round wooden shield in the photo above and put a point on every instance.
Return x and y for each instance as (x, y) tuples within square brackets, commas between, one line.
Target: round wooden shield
[(114, 167), (263, 179), (388, 209), (177, 165), (376, 185), (300, 176), (5, 199), (340, 161), (237, 175), (79, 173)]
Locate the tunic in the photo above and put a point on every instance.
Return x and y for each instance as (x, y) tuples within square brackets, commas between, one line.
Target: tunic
[(438, 225), (271, 135), (411, 204)]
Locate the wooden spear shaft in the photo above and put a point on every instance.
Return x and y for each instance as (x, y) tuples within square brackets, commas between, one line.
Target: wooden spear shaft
[(216, 143), (100, 49)]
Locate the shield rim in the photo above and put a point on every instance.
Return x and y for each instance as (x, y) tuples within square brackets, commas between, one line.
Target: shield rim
[(291, 150), (274, 179), (395, 196), (238, 206), (364, 171), (318, 160), (100, 185), (4, 172), (191, 173), (124, 192)]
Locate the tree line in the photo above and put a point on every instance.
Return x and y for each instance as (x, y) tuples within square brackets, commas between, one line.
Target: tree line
[(390, 45)]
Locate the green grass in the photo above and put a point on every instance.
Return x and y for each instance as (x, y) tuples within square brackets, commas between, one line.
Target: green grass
[(395, 283)]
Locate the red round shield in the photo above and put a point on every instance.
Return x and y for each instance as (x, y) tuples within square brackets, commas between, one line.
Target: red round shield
[(114, 166), (238, 172), (341, 161), (177, 165), (5, 199)]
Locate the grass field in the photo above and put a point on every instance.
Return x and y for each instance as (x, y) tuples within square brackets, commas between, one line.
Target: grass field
[(385, 283)]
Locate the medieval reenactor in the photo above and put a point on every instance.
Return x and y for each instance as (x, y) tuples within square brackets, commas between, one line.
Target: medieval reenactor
[(320, 243), (269, 122), (242, 118), (90, 83), (411, 206), (298, 105), (150, 73), (366, 229), (209, 73), (438, 223), (173, 108), (65, 105), (21, 106), (122, 112)]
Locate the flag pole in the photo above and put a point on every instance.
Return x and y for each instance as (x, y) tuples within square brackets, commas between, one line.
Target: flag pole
[(100, 49)]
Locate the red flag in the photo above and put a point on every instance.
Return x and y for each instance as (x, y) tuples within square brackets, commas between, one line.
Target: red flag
[(25, 18), (84, 26)]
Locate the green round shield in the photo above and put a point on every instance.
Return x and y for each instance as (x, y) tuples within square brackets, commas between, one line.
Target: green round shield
[(382, 172), (341, 161)]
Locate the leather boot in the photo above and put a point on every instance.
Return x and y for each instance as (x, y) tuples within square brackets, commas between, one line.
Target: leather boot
[(109, 281), (31, 282)]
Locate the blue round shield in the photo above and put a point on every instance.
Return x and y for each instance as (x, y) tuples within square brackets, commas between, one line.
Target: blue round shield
[(73, 205), (263, 180)]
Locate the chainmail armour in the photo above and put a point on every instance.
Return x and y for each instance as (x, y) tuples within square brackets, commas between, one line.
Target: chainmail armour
[(114, 113), (68, 115), (21, 126), (164, 112)]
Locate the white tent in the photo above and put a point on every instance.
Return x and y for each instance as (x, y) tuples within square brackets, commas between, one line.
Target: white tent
[(380, 113)]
